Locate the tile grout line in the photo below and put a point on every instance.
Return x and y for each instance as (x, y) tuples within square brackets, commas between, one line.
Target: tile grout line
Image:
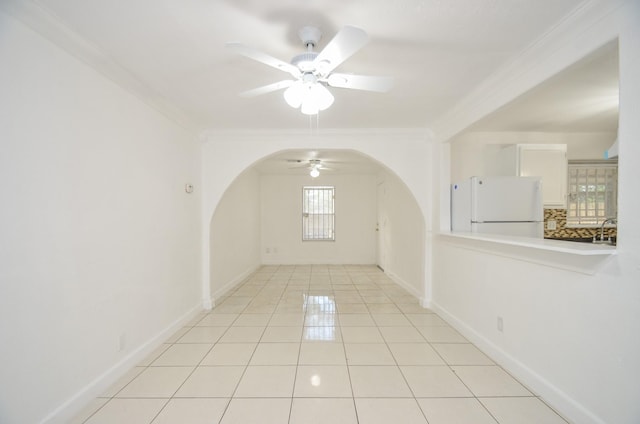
[(342, 287), (217, 341), (246, 366), (295, 377), (199, 363), (346, 361)]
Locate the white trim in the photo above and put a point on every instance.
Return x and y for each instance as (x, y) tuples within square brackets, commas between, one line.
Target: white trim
[(408, 287), (212, 135), (571, 39), (556, 398), (207, 304), (41, 20), (584, 258), (229, 285), (72, 406), (426, 303)]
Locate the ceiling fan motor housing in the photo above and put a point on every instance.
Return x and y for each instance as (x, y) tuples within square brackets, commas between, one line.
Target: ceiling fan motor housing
[(304, 61)]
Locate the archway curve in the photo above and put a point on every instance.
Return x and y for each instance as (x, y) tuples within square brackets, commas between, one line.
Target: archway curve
[(409, 155)]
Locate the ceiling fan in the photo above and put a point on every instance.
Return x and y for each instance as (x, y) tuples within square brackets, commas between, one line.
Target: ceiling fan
[(314, 166), (312, 71)]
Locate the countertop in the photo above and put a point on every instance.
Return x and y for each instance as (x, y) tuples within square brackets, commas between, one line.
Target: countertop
[(570, 247)]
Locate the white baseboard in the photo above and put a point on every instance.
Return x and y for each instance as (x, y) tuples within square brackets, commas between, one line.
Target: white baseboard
[(68, 410), (229, 285), (408, 287), (207, 304), (425, 303), (553, 396)]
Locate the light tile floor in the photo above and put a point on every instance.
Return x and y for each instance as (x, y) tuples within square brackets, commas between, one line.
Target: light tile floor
[(318, 344)]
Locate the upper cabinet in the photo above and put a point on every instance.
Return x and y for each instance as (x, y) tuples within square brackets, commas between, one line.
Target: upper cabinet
[(548, 161)]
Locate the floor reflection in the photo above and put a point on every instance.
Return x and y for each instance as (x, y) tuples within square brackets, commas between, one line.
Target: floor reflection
[(320, 322)]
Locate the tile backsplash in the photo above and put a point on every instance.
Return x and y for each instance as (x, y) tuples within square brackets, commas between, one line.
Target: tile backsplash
[(561, 231)]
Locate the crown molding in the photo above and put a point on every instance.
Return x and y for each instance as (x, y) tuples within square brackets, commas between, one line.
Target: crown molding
[(35, 16), (588, 27), (417, 134)]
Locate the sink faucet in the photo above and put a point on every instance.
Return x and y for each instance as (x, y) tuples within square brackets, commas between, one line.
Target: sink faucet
[(607, 220)]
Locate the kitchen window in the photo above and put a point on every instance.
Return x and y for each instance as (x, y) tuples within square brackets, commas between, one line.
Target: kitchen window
[(592, 193), (318, 213)]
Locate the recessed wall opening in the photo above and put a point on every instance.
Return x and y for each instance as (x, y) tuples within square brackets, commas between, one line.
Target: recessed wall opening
[(575, 111)]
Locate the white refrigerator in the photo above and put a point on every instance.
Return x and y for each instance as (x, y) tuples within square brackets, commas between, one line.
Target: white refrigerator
[(498, 205)]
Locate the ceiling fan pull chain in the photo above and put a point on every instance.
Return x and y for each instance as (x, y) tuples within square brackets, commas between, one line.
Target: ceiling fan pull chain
[(317, 126)]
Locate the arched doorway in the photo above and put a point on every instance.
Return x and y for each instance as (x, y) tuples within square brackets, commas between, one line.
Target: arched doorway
[(403, 160)]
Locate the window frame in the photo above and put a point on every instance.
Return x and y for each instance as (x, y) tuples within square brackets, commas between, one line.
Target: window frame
[(308, 235), (604, 189)]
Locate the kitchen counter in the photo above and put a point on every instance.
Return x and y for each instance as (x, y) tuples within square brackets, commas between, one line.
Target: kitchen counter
[(588, 240), (585, 258)]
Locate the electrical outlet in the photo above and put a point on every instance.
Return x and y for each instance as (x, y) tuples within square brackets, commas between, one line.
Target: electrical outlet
[(551, 224), (268, 250), (500, 324)]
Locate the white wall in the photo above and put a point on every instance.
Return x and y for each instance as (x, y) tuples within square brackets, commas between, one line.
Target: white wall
[(404, 234), (569, 335), (99, 241), (235, 234), (560, 337), (355, 220), (239, 243), (474, 153)]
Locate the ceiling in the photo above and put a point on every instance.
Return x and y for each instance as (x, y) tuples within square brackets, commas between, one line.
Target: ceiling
[(582, 98), (298, 162), (172, 52)]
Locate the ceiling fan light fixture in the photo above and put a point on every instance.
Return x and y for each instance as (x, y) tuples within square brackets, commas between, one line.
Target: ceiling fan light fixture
[(312, 71), (309, 107), (295, 94), (322, 96), (316, 98), (310, 97), (315, 173)]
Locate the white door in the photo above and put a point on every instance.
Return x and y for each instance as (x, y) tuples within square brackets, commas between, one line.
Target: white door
[(381, 226)]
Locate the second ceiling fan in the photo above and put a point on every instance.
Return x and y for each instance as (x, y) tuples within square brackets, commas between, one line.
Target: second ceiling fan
[(312, 71)]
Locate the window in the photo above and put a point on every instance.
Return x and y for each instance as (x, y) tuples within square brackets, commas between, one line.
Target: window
[(318, 213), (593, 193)]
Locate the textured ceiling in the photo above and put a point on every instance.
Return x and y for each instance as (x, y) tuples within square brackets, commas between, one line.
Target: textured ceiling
[(173, 52)]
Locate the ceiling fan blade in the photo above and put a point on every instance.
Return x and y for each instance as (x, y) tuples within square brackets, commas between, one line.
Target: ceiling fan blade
[(345, 43), (267, 88), (269, 60), (360, 82)]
